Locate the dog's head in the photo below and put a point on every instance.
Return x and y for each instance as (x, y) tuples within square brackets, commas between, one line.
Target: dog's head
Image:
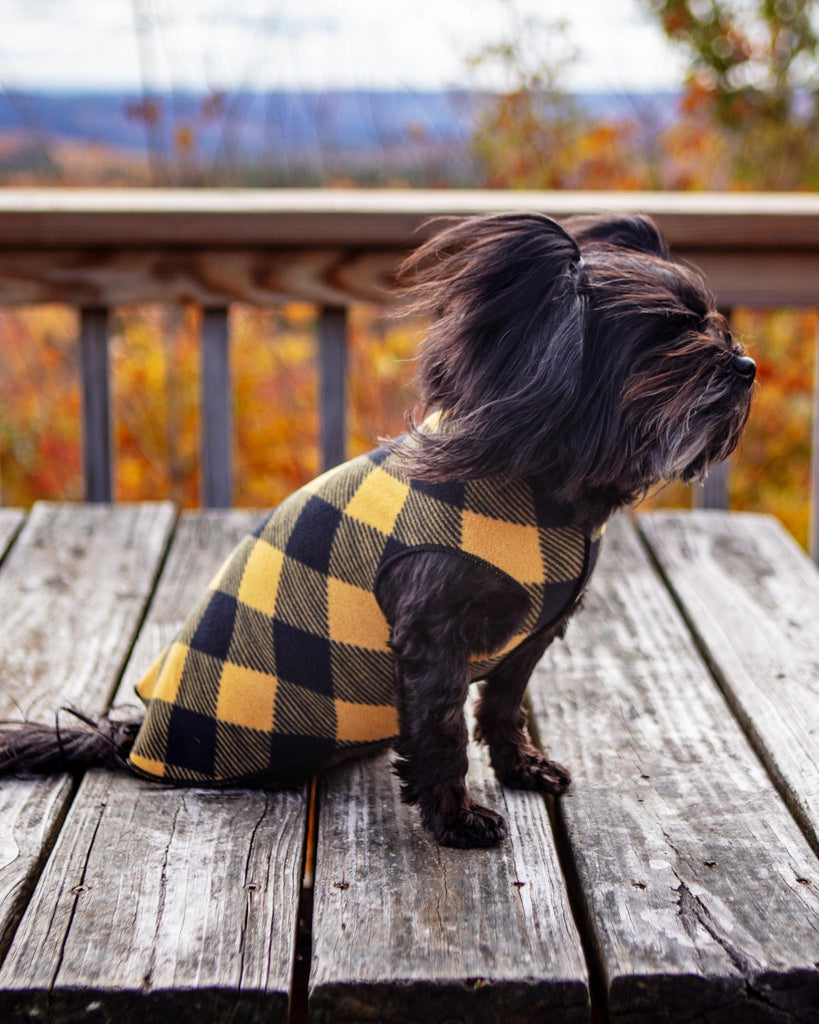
[(580, 353)]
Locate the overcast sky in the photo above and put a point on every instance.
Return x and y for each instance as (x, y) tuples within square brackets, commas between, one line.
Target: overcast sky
[(312, 44)]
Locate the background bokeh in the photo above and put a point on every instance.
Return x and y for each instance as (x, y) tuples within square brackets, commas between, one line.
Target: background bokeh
[(712, 95)]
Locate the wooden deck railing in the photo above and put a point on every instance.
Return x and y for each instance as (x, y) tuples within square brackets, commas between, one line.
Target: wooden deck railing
[(98, 249)]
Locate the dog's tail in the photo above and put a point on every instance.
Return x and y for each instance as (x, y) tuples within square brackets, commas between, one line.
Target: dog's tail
[(30, 748)]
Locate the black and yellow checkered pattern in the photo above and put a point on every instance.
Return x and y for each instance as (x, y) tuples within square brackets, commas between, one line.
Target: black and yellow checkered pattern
[(285, 658)]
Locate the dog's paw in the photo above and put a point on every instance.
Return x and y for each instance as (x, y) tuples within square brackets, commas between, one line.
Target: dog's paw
[(471, 826), (532, 771)]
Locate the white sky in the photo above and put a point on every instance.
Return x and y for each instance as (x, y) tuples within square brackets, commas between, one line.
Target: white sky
[(312, 44)]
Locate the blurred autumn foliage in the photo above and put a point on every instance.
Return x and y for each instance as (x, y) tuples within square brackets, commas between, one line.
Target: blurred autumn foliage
[(155, 372), (754, 80), (747, 118)]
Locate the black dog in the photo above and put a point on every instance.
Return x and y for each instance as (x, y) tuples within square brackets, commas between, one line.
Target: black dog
[(571, 368)]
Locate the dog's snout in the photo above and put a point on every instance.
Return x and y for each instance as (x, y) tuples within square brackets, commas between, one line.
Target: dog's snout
[(745, 367)]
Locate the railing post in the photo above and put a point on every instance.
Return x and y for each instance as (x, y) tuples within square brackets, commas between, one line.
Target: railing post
[(215, 419), (333, 384), (813, 539), (96, 404), (714, 492)]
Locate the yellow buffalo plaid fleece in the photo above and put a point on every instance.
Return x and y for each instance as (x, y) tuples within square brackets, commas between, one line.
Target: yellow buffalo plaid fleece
[(285, 658)]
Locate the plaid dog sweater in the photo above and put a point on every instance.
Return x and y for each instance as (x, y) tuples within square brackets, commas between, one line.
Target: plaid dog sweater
[(285, 657)]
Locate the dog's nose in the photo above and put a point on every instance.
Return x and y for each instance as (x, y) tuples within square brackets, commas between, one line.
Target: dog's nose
[(745, 367)]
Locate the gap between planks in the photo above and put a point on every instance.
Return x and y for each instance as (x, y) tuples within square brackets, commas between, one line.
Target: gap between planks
[(173, 927), (698, 889), (755, 626), (405, 930), (72, 592)]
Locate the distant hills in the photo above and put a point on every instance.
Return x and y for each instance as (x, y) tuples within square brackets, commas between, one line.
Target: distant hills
[(265, 120), (285, 135)]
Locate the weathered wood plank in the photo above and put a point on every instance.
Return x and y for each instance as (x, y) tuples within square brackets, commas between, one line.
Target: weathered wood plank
[(209, 277), (751, 597), (332, 352), (813, 529), (26, 813), (11, 519), (405, 930), (72, 592), (31, 813), (217, 403), (329, 246), (329, 276), (97, 441), (191, 218), (196, 912), (779, 277), (701, 894)]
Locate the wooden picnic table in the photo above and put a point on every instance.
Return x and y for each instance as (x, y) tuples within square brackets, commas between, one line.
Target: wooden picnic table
[(677, 880)]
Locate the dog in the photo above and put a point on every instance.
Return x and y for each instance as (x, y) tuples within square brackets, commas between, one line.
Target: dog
[(568, 368)]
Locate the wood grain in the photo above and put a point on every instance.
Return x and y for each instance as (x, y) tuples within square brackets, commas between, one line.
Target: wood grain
[(701, 895), (29, 814), (328, 276), (117, 277), (813, 500), (158, 899), (776, 276), (751, 596), (190, 218), (72, 592), (113, 247), (405, 930), (11, 519)]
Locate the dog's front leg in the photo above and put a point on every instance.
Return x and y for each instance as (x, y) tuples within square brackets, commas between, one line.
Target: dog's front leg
[(501, 721), (432, 761), (442, 609)]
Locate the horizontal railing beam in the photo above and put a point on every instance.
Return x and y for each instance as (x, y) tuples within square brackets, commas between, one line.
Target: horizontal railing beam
[(375, 218), (211, 277), (332, 277)]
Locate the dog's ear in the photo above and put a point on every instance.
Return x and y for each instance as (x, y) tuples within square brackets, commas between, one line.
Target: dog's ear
[(635, 232), (503, 356)]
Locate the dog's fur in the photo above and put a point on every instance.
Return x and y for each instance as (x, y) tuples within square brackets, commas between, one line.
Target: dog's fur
[(580, 355)]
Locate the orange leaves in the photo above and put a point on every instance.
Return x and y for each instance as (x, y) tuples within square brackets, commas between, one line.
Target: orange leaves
[(154, 366), (155, 388), (184, 140), (529, 141), (697, 97), (39, 405), (275, 389), (381, 367), (145, 111)]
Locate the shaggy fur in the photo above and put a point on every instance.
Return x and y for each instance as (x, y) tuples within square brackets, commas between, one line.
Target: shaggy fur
[(579, 355)]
